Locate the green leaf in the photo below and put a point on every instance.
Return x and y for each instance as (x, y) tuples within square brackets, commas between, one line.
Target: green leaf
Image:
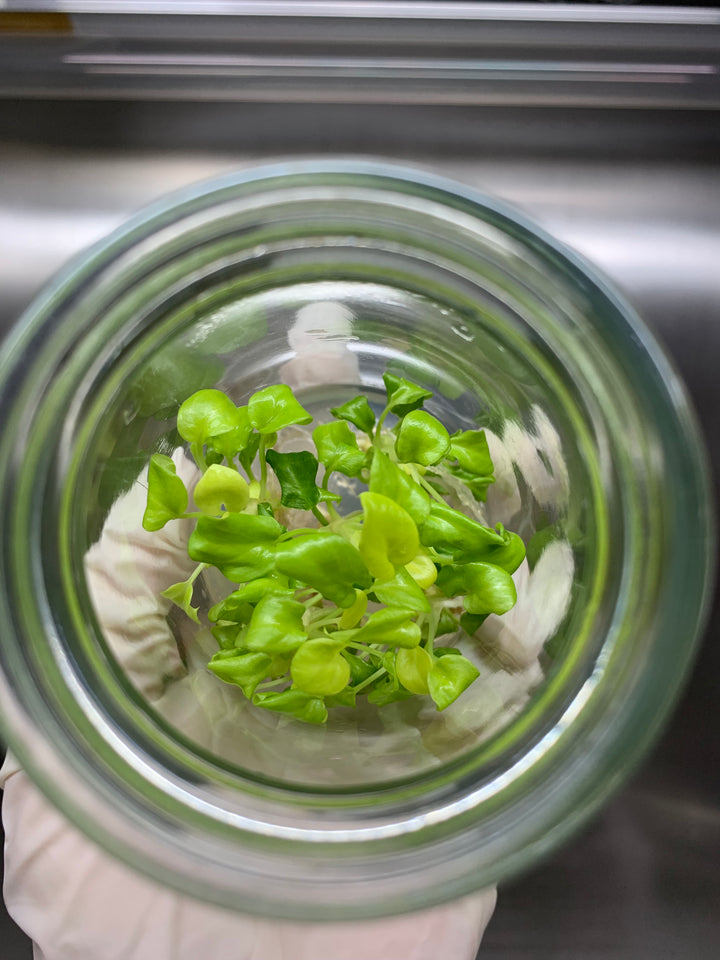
[(221, 488), (275, 407), (207, 413), (248, 453), (167, 498), (423, 570), (446, 624), (359, 669), (212, 457), (458, 537), (295, 703), (391, 627), (181, 595), (358, 412), (319, 667), (296, 473), (389, 537), (403, 395), (510, 555), (276, 625), (241, 545), (477, 485), (402, 591), (246, 670), (354, 613), (421, 439), (387, 690), (346, 698), (228, 634), (471, 622), (449, 677), (390, 480), (470, 449), (326, 562), (230, 443), (486, 587), (265, 510), (338, 449), (413, 667), (237, 604)]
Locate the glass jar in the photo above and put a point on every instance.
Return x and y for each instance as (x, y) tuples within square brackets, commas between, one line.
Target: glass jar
[(324, 276)]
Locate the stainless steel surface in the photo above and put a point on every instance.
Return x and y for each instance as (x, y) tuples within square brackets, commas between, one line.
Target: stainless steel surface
[(639, 195), (373, 52)]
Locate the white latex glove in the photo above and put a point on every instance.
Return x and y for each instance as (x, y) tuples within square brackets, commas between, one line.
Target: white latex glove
[(78, 903)]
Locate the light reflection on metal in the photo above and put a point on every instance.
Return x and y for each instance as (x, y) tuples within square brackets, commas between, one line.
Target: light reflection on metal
[(380, 9), (373, 67)]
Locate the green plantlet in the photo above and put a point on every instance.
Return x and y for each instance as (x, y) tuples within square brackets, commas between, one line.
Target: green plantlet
[(275, 407), (421, 439), (389, 537), (326, 562), (294, 703), (276, 626), (319, 668), (413, 667), (459, 538), (390, 480), (204, 415), (181, 595), (358, 412), (337, 448), (470, 449), (296, 473), (246, 670), (403, 396), (485, 588), (240, 545), (167, 497), (402, 591), (234, 441), (219, 489), (394, 628), (347, 610), (449, 677)]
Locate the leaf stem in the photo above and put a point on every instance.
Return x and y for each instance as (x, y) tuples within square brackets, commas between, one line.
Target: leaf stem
[(267, 684), (334, 515), (197, 571), (368, 680), (378, 425), (263, 468), (250, 473), (428, 487), (312, 601), (296, 531), (356, 645), (316, 513), (325, 620), (196, 449), (433, 621)]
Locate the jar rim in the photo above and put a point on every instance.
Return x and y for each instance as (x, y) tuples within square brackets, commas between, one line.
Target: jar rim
[(620, 745)]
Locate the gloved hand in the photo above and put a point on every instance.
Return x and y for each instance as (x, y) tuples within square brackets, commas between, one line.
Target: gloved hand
[(78, 903)]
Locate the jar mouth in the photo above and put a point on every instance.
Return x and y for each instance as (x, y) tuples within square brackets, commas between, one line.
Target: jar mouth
[(521, 336)]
